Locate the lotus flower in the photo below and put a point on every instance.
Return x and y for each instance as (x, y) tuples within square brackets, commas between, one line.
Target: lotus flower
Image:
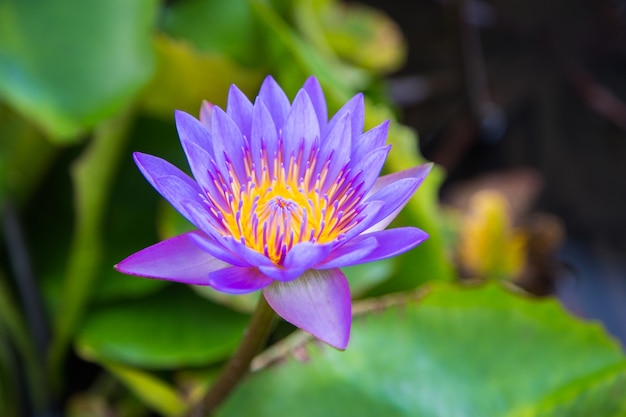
[(282, 198)]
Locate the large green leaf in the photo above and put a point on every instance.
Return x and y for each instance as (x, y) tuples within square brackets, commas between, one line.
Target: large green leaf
[(456, 352), (171, 329), (69, 64)]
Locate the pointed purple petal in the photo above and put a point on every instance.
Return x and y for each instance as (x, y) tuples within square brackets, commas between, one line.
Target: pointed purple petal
[(247, 254), (239, 109), (153, 167), (314, 90), (263, 137), (206, 114), (318, 302), (301, 127), (280, 273), (305, 255), (181, 197), (336, 148), (228, 145), (237, 280), (386, 243), (191, 130), (349, 254), (396, 190), (356, 107), (173, 184), (368, 216), (302, 256), (275, 100), (175, 259), (420, 172), (368, 168), (213, 247), (201, 163), (370, 140)]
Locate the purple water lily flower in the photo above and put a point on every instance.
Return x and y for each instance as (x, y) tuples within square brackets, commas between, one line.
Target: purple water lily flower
[(282, 198)]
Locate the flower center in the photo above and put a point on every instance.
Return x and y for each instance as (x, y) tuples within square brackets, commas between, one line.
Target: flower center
[(285, 201)]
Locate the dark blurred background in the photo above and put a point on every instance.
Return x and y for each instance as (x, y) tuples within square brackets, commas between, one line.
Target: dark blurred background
[(529, 97)]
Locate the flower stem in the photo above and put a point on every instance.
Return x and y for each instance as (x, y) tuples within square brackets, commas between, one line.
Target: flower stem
[(239, 364)]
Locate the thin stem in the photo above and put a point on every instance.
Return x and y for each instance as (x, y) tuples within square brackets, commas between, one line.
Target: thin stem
[(239, 364)]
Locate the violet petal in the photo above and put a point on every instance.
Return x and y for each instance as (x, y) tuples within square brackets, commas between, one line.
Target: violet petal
[(201, 164), (396, 190), (318, 302), (350, 253), (237, 280), (335, 148), (280, 273), (239, 109), (263, 137), (387, 243), (301, 127), (301, 256), (174, 185), (228, 145), (153, 167), (369, 167), (370, 140), (275, 100), (368, 217), (175, 259), (249, 255), (356, 107), (314, 90), (213, 247), (420, 172), (206, 114), (192, 130)]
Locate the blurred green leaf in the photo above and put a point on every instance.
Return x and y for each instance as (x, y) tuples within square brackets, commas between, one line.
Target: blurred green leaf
[(458, 351), (133, 207), (185, 76), (174, 328), (9, 386), (67, 65), (153, 392), (24, 156), (14, 333), (599, 394), (226, 28), (296, 59), (358, 34), (92, 176)]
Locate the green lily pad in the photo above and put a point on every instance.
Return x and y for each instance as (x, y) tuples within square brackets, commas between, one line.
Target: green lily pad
[(456, 352), (67, 65), (174, 328)]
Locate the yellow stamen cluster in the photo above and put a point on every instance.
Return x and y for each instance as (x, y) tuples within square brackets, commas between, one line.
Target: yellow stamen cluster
[(282, 203)]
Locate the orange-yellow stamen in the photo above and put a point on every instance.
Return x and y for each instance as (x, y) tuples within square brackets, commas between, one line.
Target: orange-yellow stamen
[(285, 201)]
